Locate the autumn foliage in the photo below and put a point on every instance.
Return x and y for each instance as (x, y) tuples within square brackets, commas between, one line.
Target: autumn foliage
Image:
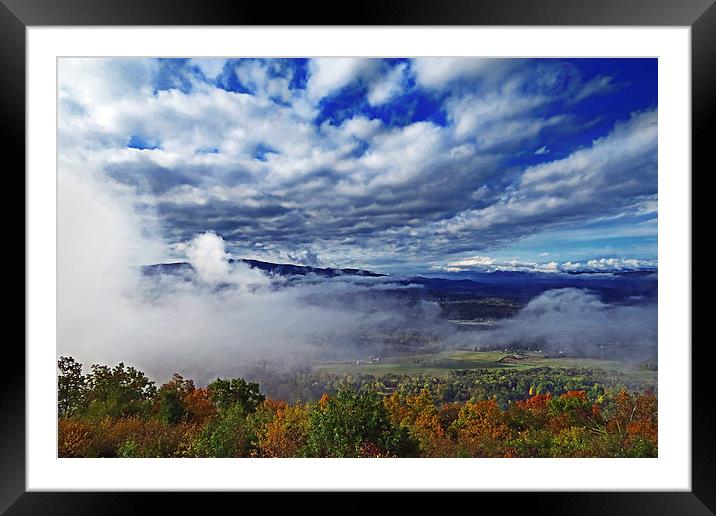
[(117, 412), (286, 433)]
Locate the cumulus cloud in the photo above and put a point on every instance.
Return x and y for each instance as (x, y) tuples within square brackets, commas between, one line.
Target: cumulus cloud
[(488, 264), (392, 84), (380, 183), (257, 76), (211, 67), (383, 82), (619, 264), (208, 257), (329, 74), (615, 173), (436, 72), (307, 257)]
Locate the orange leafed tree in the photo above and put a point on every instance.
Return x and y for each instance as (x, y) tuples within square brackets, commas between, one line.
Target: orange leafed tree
[(74, 437), (286, 434), (635, 417), (199, 406), (419, 413), (482, 429)]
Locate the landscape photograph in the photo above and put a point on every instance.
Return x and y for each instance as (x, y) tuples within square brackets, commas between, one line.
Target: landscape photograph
[(343, 257)]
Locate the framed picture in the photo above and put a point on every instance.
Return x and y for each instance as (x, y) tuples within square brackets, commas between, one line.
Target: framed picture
[(415, 250)]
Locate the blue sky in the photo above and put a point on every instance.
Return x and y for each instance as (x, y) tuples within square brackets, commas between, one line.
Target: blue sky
[(398, 165)]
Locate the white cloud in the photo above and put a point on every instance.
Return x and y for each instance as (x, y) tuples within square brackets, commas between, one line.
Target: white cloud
[(488, 264), (619, 264), (332, 73), (606, 176), (236, 162), (598, 86), (97, 81), (383, 89), (476, 261), (394, 157), (436, 72), (328, 75), (505, 115), (361, 127), (211, 67), (255, 75), (209, 259), (207, 255), (542, 151)]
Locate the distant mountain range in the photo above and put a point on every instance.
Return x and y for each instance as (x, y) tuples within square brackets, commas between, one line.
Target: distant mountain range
[(620, 286), (499, 276), (281, 269)]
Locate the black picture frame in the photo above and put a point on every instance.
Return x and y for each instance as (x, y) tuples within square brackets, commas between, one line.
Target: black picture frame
[(17, 15)]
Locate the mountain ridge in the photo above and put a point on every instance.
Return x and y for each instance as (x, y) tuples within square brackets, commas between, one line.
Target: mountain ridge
[(282, 269)]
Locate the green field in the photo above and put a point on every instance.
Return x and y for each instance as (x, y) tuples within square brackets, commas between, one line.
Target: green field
[(440, 364)]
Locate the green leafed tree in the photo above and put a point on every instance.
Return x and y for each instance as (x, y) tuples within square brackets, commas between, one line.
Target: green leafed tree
[(227, 434), (236, 391), (352, 424), (117, 392), (171, 399), (171, 407), (71, 387)]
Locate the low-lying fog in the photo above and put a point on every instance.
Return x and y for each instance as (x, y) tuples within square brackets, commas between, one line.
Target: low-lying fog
[(222, 317)]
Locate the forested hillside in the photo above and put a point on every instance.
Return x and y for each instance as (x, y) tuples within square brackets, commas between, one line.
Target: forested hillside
[(118, 412)]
